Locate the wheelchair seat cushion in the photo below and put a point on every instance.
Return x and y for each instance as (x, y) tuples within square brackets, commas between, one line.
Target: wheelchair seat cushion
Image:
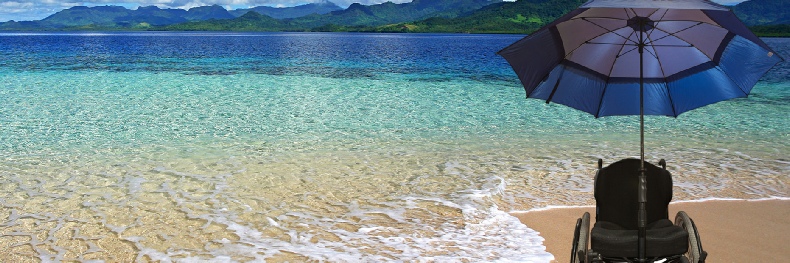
[(663, 239)]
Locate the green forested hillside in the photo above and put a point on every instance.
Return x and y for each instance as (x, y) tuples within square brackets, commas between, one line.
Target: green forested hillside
[(523, 16), (320, 8), (389, 13), (356, 17), (80, 15), (251, 21), (766, 17), (763, 12), (208, 12)]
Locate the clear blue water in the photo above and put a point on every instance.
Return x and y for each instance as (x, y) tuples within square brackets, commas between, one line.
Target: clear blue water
[(339, 147)]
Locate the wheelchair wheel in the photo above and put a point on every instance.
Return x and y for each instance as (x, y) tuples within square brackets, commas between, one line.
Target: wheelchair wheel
[(581, 235), (695, 253)]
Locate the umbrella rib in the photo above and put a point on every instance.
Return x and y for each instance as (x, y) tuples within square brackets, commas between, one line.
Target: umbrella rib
[(671, 102), (655, 27), (745, 94), (629, 51), (620, 54), (663, 73), (660, 64), (690, 45), (611, 69), (601, 17), (607, 30), (669, 34), (665, 12), (556, 86), (584, 19), (653, 52), (628, 14), (634, 45), (609, 76), (673, 34)]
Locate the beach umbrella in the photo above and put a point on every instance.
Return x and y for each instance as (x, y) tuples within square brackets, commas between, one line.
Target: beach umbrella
[(644, 57)]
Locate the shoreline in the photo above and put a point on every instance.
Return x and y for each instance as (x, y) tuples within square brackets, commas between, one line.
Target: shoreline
[(731, 230)]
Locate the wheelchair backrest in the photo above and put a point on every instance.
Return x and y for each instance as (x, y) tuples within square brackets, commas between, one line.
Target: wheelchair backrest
[(616, 189)]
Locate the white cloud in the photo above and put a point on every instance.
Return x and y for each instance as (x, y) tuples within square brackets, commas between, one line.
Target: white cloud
[(22, 10), (15, 5)]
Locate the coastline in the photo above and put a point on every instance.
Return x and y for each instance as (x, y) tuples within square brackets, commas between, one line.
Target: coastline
[(731, 230)]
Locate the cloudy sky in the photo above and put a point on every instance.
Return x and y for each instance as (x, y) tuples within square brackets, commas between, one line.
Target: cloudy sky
[(26, 10)]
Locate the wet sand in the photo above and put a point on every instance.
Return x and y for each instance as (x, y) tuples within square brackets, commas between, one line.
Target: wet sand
[(731, 231)]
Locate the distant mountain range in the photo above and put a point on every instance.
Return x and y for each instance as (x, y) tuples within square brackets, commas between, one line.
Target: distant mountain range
[(356, 17), (117, 17), (319, 8), (505, 17), (767, 17), (120, 17)]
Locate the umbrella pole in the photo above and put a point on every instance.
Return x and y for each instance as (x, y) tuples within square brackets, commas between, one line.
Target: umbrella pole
[(642, 191)]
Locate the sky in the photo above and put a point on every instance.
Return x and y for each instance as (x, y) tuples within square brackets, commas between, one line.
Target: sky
[(28, 10)]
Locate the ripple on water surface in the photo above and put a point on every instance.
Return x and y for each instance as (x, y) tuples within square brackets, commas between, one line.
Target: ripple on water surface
[(177, 157)]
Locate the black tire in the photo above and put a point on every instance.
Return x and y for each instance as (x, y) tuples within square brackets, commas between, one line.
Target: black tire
[(575, 240), (584, 237), (695, 252)]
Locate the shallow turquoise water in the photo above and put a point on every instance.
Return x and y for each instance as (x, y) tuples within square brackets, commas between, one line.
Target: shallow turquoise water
[(339, 147)]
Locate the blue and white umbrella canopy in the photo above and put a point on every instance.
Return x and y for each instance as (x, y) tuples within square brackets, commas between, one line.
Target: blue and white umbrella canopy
[(695, 53)]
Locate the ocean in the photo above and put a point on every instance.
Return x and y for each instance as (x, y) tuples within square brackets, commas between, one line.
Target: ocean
[(337, 147)]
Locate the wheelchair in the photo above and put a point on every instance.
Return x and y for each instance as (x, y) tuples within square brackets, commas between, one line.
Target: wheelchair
[(614, 237)]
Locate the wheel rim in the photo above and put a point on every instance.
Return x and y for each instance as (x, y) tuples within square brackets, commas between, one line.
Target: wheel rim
[(683, 220)]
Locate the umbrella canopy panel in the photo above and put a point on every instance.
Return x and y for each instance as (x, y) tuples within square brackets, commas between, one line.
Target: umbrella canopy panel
[(589, 59)]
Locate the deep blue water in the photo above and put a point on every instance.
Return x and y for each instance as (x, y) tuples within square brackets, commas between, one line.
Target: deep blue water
[(325, 55)]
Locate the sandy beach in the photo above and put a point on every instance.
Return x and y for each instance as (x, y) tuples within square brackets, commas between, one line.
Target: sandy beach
[(730, 230)]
